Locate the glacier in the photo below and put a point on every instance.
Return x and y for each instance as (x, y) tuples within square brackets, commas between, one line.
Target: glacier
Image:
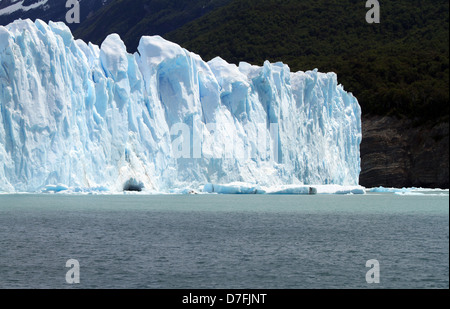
[(87, 117)]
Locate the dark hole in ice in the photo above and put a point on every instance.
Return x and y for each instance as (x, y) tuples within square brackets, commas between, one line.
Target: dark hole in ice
[(133, 185)]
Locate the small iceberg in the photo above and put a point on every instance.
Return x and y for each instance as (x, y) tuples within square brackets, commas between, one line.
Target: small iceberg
[(244, 188), (411, 191), (233, 188)]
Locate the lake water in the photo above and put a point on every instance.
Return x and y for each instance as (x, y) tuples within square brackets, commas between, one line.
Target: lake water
[(224, 241)]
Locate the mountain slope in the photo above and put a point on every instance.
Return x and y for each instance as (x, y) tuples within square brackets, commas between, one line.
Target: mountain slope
[(132, 19), (54, 10), (9, 7), (399, 67)]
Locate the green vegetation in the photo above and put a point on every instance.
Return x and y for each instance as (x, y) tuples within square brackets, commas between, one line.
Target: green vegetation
[(132, 19), (398, 67)]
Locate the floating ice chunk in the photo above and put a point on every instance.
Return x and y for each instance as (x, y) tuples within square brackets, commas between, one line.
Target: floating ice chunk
[(232, 188), (338, 189), (316, 189), (411, 191), (245, 188), (303, 190), (389, 190)]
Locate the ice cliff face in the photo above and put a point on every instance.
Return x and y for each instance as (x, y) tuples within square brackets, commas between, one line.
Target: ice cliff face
[(77, 115)]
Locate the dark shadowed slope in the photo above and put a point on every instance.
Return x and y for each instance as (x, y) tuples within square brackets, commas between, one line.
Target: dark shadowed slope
[(400, 66), (54, 10), (132, 19)]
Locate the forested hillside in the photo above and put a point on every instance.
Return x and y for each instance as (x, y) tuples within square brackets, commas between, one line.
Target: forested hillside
[(398, 67), (132, 19)]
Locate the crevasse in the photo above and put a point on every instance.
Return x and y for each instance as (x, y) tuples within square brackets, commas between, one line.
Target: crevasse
[(77, 115)]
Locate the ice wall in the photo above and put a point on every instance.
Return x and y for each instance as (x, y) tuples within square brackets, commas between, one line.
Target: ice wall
[(83, 116)]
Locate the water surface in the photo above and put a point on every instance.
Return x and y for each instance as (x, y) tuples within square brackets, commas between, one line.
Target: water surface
[(224, 241)]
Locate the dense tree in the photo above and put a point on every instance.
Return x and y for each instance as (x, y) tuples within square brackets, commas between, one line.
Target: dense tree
[(398, 67)]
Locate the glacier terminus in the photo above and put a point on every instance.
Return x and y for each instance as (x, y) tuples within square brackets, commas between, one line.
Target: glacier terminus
[(84, 118)]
